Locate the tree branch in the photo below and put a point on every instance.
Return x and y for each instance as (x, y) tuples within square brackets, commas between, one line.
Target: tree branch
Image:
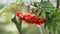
[(41, 1), (28, 8), (17, 25), (57, 5)]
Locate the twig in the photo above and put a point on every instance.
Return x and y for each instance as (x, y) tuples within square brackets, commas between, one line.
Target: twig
[(41, 1), (17, 25), (57, 5), (31, 2), (28, 8)]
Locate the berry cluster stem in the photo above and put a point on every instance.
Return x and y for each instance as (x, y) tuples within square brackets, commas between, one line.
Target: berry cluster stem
[(18, 25)]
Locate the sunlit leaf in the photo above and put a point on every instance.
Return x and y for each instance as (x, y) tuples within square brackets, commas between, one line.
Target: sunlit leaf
[(7, 15)]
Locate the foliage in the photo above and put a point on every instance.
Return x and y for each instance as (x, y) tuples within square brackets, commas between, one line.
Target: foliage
[(47, 11), (44, 10)]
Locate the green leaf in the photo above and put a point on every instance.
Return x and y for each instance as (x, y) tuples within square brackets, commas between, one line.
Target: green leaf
[(57, 18), (36, 4), (47, 11), (43, 14), (7, 15), (54, 27), (47, 5), (39, 12), (19, 1)]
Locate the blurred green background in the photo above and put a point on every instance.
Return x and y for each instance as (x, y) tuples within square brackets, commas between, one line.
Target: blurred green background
[(8, 27)]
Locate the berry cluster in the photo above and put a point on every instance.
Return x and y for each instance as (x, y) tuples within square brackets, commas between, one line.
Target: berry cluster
[(29, 18)]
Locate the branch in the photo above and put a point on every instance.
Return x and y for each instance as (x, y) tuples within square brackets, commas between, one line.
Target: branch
[(17, 25), (57, 5), (41, 1), (28, 8)]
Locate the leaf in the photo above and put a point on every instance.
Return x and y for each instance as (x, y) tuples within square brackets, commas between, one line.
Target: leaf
[(47, 11), (39, 12), (57, 18), (43, 14), (7, 15), (36, 4), (54, 27), (47, 5), (19, 1)]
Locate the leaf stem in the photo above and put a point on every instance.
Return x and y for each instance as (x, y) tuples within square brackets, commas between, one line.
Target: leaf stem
[(2, 11)]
